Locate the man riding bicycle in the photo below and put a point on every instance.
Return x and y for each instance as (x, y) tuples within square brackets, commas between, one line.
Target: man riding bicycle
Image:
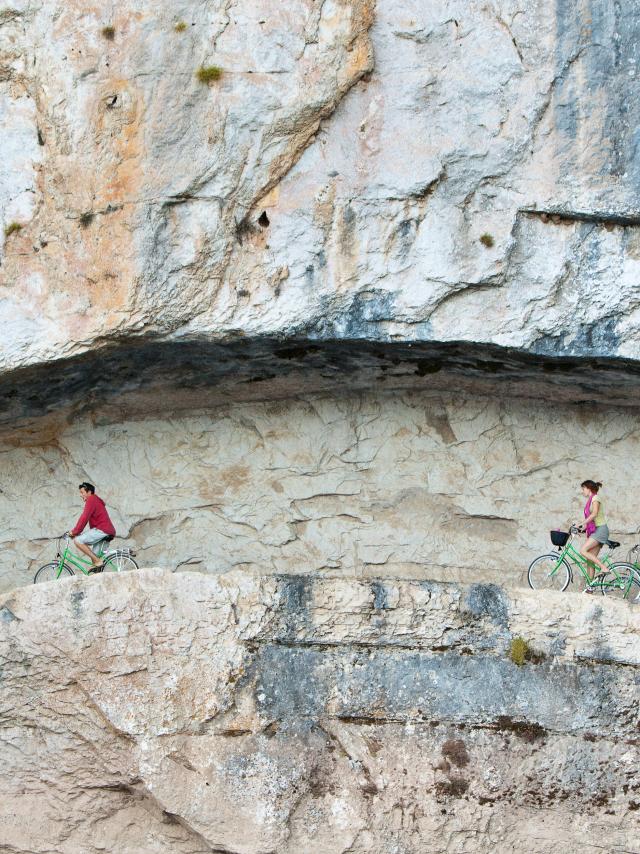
[(100, 525)]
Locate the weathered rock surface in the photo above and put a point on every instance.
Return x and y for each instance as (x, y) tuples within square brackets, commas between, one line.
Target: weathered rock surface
[(405, 484), (150, 712), (135, 179), (367, 305), (333, 186), (306, 231)]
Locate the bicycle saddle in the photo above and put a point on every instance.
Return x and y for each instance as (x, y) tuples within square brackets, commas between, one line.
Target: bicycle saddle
[(612, 544), (110, 537)]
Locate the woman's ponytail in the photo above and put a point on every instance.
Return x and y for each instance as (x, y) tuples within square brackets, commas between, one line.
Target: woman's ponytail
[(592, 485)]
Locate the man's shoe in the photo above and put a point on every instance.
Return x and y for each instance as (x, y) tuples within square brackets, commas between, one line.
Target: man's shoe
[(96, 569)]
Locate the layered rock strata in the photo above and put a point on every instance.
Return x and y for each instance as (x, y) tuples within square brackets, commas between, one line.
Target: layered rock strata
[(151, 711)]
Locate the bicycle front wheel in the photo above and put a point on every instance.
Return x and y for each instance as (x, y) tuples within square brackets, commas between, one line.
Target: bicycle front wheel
[(119, 562), (622, 582), (549, 572), (49, 572)]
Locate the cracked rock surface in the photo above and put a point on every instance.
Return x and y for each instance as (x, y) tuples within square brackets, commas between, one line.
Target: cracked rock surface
[(150, 712), (445, 486), (415, 171), (131, 179)]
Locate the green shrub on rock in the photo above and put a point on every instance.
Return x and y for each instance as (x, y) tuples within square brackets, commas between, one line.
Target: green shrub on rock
[(519, 651)]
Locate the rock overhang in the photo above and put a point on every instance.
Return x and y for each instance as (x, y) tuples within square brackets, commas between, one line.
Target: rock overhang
[(150, 376)]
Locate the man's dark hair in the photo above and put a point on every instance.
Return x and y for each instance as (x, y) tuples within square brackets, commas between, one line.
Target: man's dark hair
[(89, 487)]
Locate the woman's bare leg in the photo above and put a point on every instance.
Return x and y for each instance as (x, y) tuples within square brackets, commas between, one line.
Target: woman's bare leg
[(590, 550)]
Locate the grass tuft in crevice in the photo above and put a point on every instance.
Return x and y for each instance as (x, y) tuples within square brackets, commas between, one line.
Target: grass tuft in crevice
[(487, 240), (12, 228), (521, 651), (108, 33), (209, 73), (180, 27)]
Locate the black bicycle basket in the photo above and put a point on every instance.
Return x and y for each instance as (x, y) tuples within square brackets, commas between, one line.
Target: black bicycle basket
[(559, 538)]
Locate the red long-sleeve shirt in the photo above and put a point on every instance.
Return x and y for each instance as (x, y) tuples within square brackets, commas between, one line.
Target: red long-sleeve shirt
[(95, 513)]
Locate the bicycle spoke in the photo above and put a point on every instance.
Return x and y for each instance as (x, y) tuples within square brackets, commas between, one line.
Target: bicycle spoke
[(622, 582), (120, 562), (549, 572), (50, 572)]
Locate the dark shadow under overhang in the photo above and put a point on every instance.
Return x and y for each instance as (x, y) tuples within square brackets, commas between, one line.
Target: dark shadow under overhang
[(161, 378)]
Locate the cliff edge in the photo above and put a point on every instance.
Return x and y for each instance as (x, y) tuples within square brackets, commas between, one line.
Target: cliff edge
[(152, 711)]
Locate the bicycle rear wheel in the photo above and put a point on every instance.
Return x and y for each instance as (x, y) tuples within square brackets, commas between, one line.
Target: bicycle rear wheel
[(49, 572), (549, 572), (119, 562), (622, 582)]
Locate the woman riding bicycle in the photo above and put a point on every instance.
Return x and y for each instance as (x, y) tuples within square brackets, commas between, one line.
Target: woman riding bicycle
[(595, 527)]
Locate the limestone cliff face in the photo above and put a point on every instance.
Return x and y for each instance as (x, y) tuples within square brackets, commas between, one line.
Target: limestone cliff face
[(132, 180), (302, 318), (348, 321), (152, 712), (397, 172)]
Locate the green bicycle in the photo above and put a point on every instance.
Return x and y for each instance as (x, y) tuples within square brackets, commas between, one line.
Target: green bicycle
[(115, 560), (555, 571)]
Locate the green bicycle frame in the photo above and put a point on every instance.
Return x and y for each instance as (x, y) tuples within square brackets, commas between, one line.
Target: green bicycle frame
[(75, 560), (573, 557)]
